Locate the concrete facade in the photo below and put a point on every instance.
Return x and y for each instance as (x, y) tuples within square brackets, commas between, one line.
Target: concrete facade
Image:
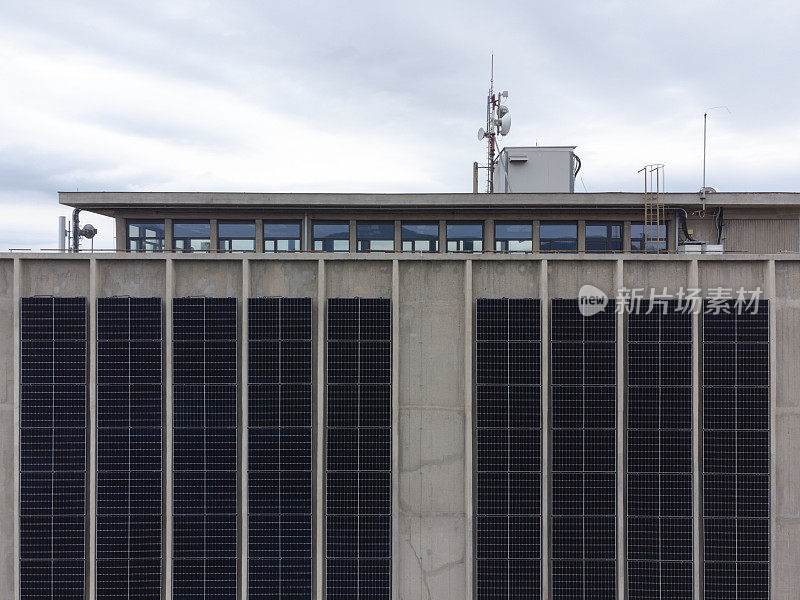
[(433, 299)]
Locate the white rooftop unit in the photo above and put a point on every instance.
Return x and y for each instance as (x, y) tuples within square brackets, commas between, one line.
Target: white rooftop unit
[(532, 169)]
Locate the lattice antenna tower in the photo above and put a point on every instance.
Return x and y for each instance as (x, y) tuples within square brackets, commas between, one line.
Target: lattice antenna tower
[(498, 123), (653, 205)]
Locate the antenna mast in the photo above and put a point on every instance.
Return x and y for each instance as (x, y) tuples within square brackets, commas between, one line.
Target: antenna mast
[(498, 123)]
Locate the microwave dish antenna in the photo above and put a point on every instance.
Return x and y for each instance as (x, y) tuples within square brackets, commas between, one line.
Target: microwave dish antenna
[(498, 124)]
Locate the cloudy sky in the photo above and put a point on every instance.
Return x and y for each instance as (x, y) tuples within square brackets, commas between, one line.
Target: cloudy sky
[(382, 96)]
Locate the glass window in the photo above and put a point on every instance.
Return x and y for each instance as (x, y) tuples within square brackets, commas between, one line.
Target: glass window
[(146, 236), (420, 236), (638, 238), (375, 236), (281, 236), (332, 236), (237, 236), (513, 237), (603, 236), (558, 236), (464, 236), (191, 236)]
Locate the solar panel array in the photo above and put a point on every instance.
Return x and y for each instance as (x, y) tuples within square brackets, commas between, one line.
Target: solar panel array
[(359, 458), (129, 448), (659, 452), (205, 448), (279, 448), (583, 388), (736, 451), (508, 428), (52, 447)]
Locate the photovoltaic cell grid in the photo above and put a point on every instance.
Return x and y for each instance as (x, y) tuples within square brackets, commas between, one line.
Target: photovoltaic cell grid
[(204, 448), (659, 452), (583, 392), (52, 447), (359, 457), (736, 459), (129, 448), (279, 448), (508, 417)]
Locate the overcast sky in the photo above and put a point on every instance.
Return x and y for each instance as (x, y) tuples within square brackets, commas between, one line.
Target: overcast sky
[(382, 96)]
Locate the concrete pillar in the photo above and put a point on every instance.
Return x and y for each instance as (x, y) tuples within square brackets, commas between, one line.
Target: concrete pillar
[(442, 236), (169, 244), (544, 301), (488, 235), (121, 237), (319, 507), (169, 292), (395, 423), (214, 223), (260, 235), (468, 434), (91, 438), (581, 236), (244, 349), (773, 409), (697, 523), (398, 243), (535, 237), (16, 299), (353, 239), (622, 591)]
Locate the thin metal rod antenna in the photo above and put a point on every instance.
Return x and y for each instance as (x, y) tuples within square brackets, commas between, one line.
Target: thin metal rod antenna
[(705, 123)]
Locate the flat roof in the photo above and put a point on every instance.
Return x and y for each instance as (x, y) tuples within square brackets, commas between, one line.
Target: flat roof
[(109, 202)]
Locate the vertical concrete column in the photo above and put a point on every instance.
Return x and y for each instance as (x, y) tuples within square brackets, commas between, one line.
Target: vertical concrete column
[(544, 304), (626, 236), (91, 438), (121, 234), (319, 507), (16, 299), (622, 592), (581, 236), (395, 425), (770, 294), (169, 293), (697, 565), (468, 508), (488, 235), (169, 244), (353, 238), (260, 235), (398, 244), (535, 238), (244, 345), (442, 235), (214, 235)]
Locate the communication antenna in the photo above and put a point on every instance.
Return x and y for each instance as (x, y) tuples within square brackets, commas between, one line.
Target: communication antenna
[(498, 123), (704, 189)]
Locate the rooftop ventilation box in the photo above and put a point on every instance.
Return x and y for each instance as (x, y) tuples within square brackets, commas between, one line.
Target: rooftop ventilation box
[(536, 169)]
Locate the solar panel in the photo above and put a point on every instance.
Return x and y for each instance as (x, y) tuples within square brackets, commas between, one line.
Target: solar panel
[(359, 473), (129, 447), (583, 394), (508, 431), (204, 447), (659, 452), (736, 482), (279, 448), (52, 447)]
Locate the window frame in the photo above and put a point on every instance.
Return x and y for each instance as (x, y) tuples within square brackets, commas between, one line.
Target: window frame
[(608, 239), (221, 240), (145, 239), (324, 245), (414, 240), (276, 239), (184, 239), (551, 240), (640, 239), (501, 244), (460, 242), (369, 240)]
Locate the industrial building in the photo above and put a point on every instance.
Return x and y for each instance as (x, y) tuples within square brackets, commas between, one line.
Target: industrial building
[(410, 396)]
